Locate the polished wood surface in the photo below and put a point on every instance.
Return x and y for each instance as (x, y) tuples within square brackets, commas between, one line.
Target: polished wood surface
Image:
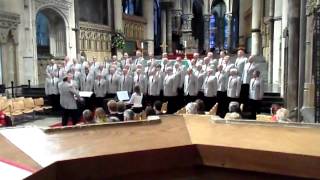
[(145, 147)]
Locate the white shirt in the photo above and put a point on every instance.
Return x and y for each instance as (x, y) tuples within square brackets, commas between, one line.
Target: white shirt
[(136, 100)]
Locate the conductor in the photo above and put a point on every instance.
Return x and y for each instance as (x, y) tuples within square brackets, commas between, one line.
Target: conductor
[(68, 101)]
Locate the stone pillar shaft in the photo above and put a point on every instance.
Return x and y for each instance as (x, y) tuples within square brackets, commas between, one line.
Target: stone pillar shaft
[(293, 54), (118, 22), (149, 15), (169, 30), (256, 20), (163, 29)]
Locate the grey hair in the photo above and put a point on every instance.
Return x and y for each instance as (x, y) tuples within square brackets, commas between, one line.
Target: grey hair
[(234, 106), (128, 115), (87, 115)]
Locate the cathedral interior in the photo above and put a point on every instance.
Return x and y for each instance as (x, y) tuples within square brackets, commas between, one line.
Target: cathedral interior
[(283, 36)]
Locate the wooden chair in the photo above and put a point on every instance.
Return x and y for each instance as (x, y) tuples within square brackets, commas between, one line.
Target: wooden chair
[(17, 108), (39, 103), (18, 99), (164, 107)]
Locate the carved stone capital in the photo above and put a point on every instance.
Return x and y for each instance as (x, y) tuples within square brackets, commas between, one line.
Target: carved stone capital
[(8, 22)]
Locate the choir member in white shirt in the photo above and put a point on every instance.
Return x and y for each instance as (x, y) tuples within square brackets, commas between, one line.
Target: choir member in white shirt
[(247, 74), (234, 86), (136, 100), (61, 72), (222, 81), (227, 65), (126, 81), (113, 83), (100, 90), (256, 93), (240, 62), (139, 59), (206, 64), (139, 79), (101, 71), (52, 91), (87, 80), (51, 68), (190, 86), (180, 74), (221, 59), (154, 86), (200, 74), (210, 89), (170, 90), (87, 84)]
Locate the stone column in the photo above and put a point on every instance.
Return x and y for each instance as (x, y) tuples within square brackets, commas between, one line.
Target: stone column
[(308, 109), (293, 54), (271, 30), (206, 21), (118, 22), (284, 48), (206, 31), (242, 40), (256, 20), (149, 15), (186, 26), (163, 29), (229, 32), (169, 30)]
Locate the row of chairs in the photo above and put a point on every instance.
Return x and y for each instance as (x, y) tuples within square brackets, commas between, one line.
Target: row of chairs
[(21, 106)]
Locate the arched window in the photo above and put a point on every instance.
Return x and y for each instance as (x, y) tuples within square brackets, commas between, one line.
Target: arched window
[(42, 24), (132, 7), (218, 26)]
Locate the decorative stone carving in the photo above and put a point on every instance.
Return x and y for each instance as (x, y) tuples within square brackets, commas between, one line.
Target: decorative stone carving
[(63, 5), (8, 22), (134, 27), (176, 20), (186, 22), (95, 40)]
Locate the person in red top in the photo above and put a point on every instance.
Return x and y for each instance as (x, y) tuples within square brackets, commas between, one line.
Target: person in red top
[(4, 120)]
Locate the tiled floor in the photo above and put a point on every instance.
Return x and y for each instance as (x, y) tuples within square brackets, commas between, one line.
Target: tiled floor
[(42, 121)]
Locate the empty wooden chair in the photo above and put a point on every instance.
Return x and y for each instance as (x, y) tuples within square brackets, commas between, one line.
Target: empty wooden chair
[(39, 103), (17, 108)]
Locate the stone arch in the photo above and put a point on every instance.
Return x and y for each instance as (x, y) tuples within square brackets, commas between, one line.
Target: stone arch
[(52, 41)]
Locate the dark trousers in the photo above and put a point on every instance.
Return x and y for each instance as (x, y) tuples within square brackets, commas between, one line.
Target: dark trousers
[(180, 99), (172, 104), (222, 103), (152, 99), (188, 99), (99, 102), (54, 100), (209, 102), (69, 113), (254, 108), (244, 94)]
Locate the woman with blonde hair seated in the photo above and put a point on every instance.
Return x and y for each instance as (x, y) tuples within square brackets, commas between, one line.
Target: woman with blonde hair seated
[(100, 115)]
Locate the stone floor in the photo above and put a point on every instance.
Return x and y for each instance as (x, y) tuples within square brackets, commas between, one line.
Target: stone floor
[(41, 121)]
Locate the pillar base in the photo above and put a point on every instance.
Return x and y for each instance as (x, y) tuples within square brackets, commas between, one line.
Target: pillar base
[(308, 114)]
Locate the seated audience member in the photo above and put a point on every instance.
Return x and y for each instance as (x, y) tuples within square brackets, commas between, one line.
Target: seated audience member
[(100, 116), (88, 117), (157, 107), (128, 115), (191, 108), (200, 106), (234, 110), (113, 109), (136, 99), (150, 111), (274, 109), (121, 108), (282, 115)]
